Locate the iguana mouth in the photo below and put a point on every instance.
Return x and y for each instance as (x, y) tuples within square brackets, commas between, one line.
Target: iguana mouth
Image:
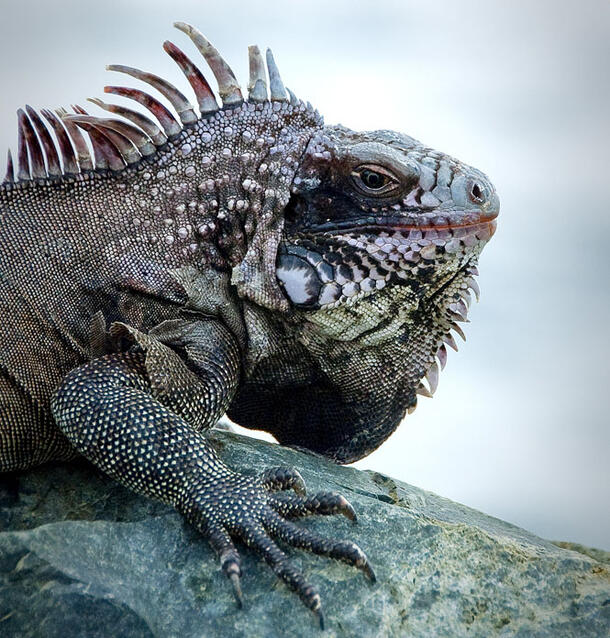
[(399, 223)]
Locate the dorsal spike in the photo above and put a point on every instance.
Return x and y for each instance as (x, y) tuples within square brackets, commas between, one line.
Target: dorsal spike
[(121, 142), (157, 136), (68, 156), (166, 119), (294, 100), (38, 168), (10, 175), (205, 97), (183, 107), (105, 153), (228, 87), (53, 165), (99, 144), (82, 150), (132, 133), (23, 171), (135, 135), (257, 85), (278, 92)]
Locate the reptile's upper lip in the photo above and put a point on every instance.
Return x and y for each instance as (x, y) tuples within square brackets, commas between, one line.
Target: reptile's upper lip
[(484, 219)]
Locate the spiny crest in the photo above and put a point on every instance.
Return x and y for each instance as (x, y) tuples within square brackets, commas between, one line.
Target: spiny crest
[(118, 143)]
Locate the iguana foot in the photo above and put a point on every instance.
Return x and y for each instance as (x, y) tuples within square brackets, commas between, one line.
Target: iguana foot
[(245, 508)]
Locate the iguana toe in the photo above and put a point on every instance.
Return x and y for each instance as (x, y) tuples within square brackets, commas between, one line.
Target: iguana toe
[(322, 503)]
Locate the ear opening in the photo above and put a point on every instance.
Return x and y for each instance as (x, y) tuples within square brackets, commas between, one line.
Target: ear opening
[(292, 208)]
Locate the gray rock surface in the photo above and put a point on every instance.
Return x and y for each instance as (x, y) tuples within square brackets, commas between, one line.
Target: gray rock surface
[(81, 556)]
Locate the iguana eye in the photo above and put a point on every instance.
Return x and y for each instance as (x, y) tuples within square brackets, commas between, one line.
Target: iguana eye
[(374, 180)]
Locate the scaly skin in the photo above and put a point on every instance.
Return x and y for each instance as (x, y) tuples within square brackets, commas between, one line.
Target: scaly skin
[(302, 278)]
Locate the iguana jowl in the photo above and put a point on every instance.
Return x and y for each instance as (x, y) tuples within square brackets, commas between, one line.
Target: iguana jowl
[(246, 259)]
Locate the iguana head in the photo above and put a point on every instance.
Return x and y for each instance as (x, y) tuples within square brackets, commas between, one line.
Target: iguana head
[(381, 241), (375, 210)]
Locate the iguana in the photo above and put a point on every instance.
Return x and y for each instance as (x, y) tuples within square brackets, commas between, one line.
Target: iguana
[(242, 258)]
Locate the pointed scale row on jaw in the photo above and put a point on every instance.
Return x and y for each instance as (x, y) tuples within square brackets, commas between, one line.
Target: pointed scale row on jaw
[(433, 372), (468, 283), (118, 143)]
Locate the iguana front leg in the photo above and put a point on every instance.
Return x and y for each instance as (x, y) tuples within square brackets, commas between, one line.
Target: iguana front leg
[(138, 416)]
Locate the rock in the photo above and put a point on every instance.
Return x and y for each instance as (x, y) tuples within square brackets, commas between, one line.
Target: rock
[(82, 556)]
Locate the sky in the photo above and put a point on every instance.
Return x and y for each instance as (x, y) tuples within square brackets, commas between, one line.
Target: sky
[(519, 426)]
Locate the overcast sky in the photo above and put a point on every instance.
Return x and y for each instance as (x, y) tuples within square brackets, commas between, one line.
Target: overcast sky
[(519, 425)]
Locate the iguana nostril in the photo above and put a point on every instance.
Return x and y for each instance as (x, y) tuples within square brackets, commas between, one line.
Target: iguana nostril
[(476, 194)]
